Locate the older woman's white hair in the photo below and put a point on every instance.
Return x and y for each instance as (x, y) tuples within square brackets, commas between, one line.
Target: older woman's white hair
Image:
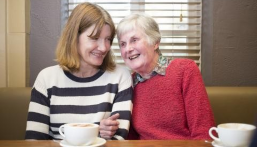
[(142, 22)]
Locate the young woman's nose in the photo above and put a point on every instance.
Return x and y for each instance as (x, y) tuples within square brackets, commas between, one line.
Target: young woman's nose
[(103, 46)]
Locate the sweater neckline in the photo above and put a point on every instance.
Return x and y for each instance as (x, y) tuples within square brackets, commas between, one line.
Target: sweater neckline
[(82, 80)]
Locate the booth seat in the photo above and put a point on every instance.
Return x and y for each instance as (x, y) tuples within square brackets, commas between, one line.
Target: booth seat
[(229, 104)]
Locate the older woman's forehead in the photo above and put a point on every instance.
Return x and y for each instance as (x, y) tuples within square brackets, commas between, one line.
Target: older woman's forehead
[(124, 27), (132, 31), (127, 35)]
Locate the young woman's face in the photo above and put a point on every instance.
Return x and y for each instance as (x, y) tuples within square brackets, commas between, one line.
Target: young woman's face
[(136, 51), (93, 51)]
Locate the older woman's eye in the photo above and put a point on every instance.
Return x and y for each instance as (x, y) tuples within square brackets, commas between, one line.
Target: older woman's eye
[(134, 40), (122, 44)]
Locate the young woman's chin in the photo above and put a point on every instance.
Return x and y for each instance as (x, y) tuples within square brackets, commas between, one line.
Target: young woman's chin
[(97, 64)]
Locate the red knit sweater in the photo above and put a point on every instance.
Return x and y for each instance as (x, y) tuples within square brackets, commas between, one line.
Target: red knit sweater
[(174, 106)]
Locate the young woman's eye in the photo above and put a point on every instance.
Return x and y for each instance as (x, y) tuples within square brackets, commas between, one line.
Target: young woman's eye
[(93, 38)]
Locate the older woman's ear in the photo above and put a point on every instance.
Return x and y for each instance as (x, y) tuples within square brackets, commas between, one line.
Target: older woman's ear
[(156, 46)]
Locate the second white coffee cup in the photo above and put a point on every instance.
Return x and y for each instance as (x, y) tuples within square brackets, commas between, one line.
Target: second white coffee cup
[(233, 134), (79, 133)]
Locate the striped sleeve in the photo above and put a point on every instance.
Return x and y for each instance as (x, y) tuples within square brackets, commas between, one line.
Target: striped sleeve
[(38, 116), (123, 105)]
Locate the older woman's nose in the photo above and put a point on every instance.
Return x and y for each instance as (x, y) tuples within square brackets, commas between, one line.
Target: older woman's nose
[(129, 47)]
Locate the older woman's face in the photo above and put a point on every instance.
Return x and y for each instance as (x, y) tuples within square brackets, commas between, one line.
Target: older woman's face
[(136, 51)]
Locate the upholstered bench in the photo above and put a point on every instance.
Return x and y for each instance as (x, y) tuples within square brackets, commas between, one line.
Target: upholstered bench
[(229, 104), (233, 104), (14, 104)]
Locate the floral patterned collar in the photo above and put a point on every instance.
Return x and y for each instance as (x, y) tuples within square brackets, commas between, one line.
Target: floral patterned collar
[(160, 69)]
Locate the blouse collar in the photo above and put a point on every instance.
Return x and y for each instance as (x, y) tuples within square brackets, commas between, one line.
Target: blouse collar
[(160, 69)]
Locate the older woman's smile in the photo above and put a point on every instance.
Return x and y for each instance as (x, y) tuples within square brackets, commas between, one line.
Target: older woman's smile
[(134, 56)]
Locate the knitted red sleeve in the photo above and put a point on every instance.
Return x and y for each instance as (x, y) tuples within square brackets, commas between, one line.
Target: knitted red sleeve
[(198, 110)]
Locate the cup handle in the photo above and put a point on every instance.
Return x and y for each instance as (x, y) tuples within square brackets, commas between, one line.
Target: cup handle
[(61, 130), (213, 137)]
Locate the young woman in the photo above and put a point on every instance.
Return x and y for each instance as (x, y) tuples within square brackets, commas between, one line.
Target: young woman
[(86, 85)]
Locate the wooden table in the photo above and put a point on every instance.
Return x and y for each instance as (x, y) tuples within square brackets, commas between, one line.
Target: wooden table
[(125, 143)]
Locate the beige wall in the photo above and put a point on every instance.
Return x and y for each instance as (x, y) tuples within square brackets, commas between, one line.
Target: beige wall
[(3, 43), (14, 40)]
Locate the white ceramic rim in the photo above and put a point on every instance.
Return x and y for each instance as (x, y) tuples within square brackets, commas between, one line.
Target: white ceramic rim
[(249, 126), (70, 125)]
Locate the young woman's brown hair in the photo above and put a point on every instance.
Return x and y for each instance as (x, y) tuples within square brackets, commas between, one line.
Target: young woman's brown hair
[(81, 18)]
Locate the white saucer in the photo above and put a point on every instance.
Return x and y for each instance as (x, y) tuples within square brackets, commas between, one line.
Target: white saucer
[(99, 141), (217, 144)]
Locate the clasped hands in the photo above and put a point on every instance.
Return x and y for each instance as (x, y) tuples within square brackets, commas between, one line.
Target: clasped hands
[(109, 126)]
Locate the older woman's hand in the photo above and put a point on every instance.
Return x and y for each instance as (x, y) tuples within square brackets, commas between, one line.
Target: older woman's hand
[(109, 126)]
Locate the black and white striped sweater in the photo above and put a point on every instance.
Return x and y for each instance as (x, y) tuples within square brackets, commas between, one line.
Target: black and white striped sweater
[(59, 97)]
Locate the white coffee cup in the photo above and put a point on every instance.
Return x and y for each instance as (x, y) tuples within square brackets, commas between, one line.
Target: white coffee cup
[(79, 133), (233, 134)]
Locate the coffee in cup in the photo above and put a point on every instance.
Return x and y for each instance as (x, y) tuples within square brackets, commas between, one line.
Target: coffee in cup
[(233, 134), (79, 133)]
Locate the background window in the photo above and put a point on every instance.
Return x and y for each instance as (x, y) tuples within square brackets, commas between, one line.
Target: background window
[(179, 22)]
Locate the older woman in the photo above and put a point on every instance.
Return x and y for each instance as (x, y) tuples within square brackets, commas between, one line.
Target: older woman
[(170, 100), (86, 85)]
